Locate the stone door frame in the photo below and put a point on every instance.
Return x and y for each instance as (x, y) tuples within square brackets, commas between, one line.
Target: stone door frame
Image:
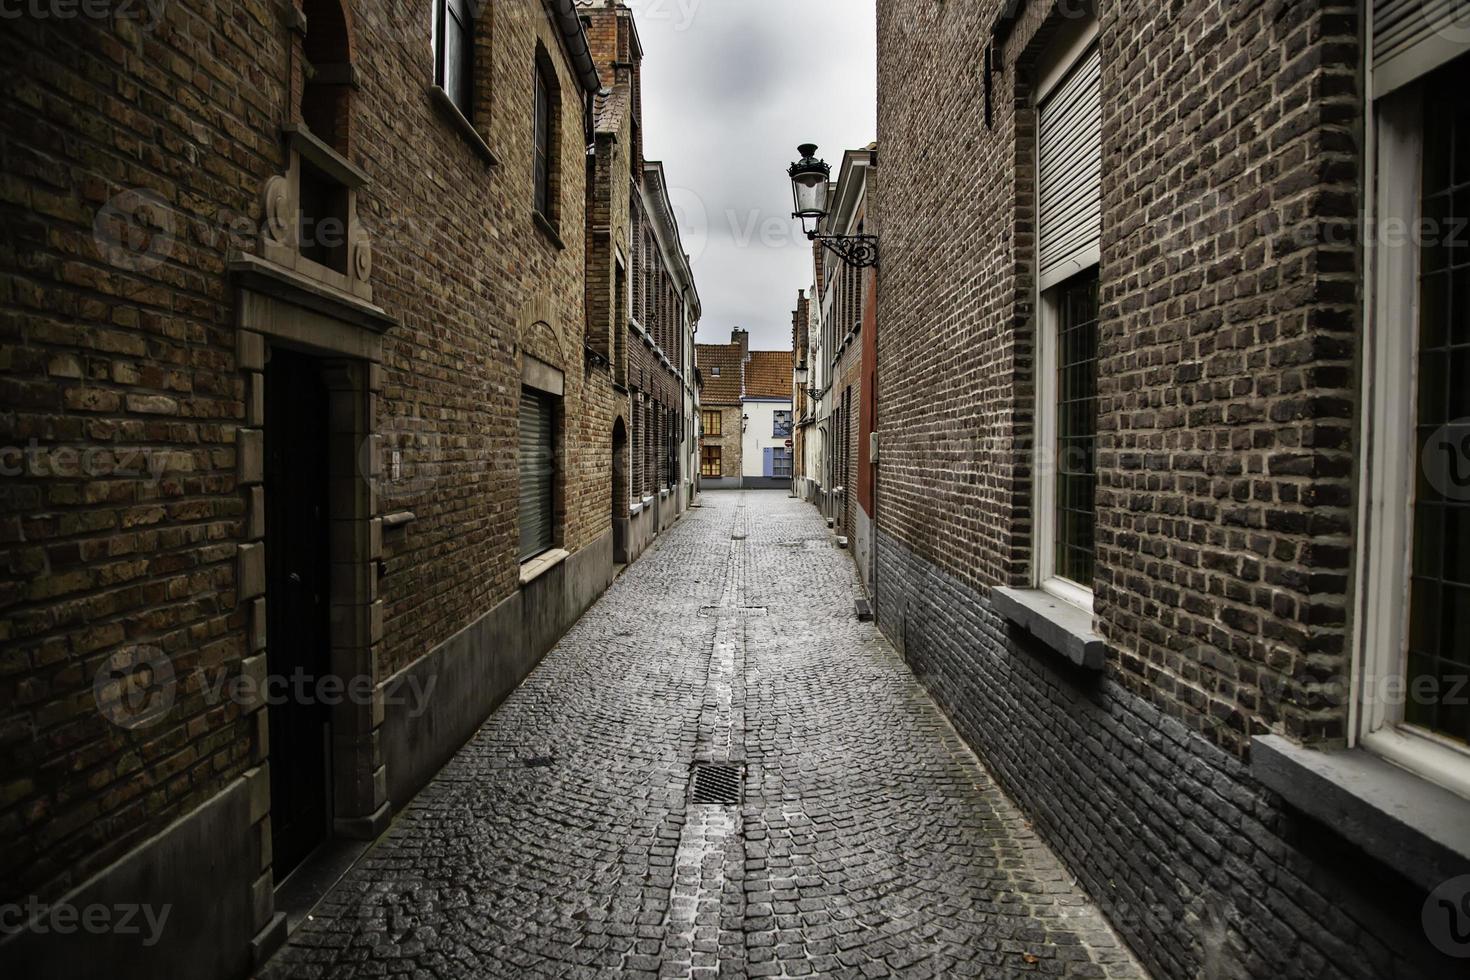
[(279, 308)]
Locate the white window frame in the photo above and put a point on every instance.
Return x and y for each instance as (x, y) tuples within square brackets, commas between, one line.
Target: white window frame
[(1394, 165), (1069, 49)]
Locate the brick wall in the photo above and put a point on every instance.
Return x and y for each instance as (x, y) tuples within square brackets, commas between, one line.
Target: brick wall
[(1225, 473), (135, 364)]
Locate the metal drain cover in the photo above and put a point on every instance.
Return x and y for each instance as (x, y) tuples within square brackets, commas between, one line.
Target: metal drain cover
[(717, 783), (707, 612)]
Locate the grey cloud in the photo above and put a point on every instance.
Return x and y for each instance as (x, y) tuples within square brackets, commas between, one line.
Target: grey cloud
[(730, 88)]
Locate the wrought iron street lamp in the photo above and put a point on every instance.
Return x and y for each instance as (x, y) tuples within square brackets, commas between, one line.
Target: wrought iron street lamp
[(810, 179)]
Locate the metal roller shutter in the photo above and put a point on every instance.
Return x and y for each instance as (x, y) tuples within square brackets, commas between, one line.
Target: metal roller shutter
[(1069, 171), (1414, 37), (537, 471)]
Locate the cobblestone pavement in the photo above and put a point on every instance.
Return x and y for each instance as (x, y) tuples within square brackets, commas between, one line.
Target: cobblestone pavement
[(869, 841)]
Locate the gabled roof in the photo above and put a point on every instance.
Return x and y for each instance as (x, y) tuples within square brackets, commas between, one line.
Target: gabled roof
[(725, 389), (768, 374)]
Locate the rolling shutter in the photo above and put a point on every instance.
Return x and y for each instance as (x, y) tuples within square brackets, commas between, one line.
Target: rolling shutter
[(1069, 166), (537, 472), (1414, 37)]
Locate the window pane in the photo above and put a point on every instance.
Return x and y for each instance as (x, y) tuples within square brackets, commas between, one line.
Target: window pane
[(1439, 606), (1076, 427), (543, 145), (456, 61)]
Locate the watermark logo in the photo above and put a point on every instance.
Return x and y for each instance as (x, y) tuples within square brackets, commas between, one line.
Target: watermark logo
[(135, 230), (693, 220), (679, 14), (1446, 917), (135, 687), (148, 12), (1446, 460), (97, 919)]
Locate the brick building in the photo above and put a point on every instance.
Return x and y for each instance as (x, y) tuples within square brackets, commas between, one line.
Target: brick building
[(301, 383), (722, 372), (643, 307), (845, 352), (804, 421), (1149, 444), (745, 415)]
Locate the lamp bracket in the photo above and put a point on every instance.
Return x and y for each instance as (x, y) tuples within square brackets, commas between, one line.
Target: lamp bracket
[(858, 251)]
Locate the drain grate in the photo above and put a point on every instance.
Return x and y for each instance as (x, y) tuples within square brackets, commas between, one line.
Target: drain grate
[(708, 612), (717, 783)]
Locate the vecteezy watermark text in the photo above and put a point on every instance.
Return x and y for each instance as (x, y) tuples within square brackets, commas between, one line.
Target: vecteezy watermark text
[(149, 12), (97, 919), (137, 687)]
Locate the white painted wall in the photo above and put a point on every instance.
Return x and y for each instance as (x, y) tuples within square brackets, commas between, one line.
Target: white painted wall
[(758, 435)]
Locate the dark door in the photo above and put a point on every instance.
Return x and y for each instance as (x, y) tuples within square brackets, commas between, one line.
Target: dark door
[(297, 638)]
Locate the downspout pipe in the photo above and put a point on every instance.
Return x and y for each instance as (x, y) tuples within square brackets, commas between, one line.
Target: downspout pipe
[(574, 36)]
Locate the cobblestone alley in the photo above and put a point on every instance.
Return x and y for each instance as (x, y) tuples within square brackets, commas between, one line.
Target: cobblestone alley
[(563, 840)]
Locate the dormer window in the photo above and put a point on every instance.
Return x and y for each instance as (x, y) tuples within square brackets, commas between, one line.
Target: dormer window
[(714, 372)]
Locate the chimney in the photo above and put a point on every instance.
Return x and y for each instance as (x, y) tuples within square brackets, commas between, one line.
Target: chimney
[(742, 337), (610, 36)]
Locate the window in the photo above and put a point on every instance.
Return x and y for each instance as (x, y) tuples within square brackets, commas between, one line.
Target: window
[(712, 422), (326, 89), (454, 32), (782, 428), (537, 472), (1074, 313), (1069, 226), (714, 372), (546, 142), (1414, 570), (709, 462), (781, 463)]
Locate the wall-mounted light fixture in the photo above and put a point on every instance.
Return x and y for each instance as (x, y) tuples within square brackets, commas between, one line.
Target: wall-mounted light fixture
[(809, 182)]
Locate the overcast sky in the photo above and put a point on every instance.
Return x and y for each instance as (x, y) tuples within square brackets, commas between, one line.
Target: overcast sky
[(730, 87)]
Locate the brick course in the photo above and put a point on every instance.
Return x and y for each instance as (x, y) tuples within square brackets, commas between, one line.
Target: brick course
[(1227, 395), (137, 364)]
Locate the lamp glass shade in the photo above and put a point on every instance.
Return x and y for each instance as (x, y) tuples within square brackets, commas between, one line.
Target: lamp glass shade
[(809, 178)]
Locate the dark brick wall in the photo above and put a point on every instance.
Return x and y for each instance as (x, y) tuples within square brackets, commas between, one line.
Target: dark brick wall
[(1203, 872), (138, 364), (1227, 399)]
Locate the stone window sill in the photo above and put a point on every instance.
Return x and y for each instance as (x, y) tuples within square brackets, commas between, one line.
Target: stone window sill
[(450, 112), (1062, 626), (1410, 824), (534, 568), (543, 224)]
